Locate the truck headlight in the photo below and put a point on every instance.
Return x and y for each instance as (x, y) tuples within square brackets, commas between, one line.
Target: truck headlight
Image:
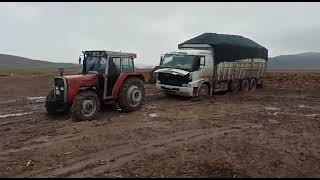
[(61, 88)]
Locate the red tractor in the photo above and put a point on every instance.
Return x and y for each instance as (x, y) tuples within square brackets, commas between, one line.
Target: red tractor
[(107, 76)]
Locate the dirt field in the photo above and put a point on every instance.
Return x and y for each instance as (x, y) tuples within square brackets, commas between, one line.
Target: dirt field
[(272, 132)]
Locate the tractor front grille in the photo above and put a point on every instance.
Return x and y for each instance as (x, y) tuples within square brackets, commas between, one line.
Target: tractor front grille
[(59, 89)]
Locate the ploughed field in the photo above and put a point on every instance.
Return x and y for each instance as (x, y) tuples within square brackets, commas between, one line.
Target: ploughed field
[(271, 132)]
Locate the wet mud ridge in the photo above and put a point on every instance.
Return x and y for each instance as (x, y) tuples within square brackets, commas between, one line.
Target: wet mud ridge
[(272, 132)]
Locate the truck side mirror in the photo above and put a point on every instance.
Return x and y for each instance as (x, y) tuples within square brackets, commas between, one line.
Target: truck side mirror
[(161, 59), (202, 61), (79, 60)]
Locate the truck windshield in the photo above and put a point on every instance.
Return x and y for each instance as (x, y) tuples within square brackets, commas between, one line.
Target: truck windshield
[(94, 63), (185, 62)]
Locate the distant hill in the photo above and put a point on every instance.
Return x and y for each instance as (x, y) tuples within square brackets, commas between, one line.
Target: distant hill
[(17, 62), (303, 61), (309, 60)]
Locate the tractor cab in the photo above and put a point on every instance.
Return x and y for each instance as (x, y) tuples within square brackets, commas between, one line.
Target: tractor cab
[(106, 76), (107, 65), (99, 61)]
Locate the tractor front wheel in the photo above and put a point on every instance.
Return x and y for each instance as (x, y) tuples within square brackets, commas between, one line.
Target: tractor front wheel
[(86, 106), (131, 95), (54, 108)]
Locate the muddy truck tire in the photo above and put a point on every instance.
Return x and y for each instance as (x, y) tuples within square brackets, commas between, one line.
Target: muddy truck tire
[(204, 91), (234, 86), (253, 85), (86, 106), (53, 108), (260, 86), (245, 86), (131, 95)]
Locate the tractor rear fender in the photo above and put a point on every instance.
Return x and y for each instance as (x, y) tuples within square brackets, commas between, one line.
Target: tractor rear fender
[(123, 76)]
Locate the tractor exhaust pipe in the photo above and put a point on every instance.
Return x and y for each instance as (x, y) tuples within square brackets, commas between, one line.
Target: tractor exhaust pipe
[(61, 70)]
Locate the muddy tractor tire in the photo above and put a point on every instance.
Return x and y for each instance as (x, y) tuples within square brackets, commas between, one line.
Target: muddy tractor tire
[(253, 85), (131, 94), (234, 86), (245, 86), (204, 90), (86, 106), (53, 108)]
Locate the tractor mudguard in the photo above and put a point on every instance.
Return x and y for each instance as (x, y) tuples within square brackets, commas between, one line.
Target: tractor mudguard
[(123, 76), (75, 82)]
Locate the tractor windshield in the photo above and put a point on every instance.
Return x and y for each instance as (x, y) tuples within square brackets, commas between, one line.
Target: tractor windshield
[(95, 63)]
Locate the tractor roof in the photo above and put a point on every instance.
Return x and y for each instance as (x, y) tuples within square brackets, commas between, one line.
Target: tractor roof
[(112, 53)]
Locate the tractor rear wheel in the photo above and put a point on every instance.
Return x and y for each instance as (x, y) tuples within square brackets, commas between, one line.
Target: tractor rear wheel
[(86, 106), (53, 108), (131, 95)]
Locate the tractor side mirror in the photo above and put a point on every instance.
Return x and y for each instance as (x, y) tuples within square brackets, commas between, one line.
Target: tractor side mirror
[(80, 59)]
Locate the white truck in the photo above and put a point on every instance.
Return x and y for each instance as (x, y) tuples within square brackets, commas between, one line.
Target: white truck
[(210, 63)]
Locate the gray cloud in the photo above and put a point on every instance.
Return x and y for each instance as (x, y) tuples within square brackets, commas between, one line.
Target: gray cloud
[(60, 31)]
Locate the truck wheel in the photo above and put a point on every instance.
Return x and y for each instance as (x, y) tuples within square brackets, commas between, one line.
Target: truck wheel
[(260, 86), (245, 85), (234, 86), (253, 84), (85, 106), (52, 107), (204, 90), (131, 95)]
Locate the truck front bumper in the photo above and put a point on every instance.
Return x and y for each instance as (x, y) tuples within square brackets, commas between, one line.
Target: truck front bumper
[(177, 90)]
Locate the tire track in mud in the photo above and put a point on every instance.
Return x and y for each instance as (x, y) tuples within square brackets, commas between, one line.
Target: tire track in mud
[(119, 155), (47, 142)]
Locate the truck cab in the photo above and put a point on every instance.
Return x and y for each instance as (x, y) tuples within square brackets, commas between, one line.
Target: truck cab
[(210, 63), (182, 72)]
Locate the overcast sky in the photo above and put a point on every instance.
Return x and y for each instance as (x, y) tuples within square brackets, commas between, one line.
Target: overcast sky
[(60, 31)]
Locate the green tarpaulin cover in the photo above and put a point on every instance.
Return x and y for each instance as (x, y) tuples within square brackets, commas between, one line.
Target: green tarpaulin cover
[(230, 47)]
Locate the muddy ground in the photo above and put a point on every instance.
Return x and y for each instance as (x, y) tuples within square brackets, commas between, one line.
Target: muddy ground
[(272, 132)]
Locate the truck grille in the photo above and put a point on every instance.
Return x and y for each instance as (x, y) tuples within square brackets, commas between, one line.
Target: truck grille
[(173, 80), (59, 82)]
